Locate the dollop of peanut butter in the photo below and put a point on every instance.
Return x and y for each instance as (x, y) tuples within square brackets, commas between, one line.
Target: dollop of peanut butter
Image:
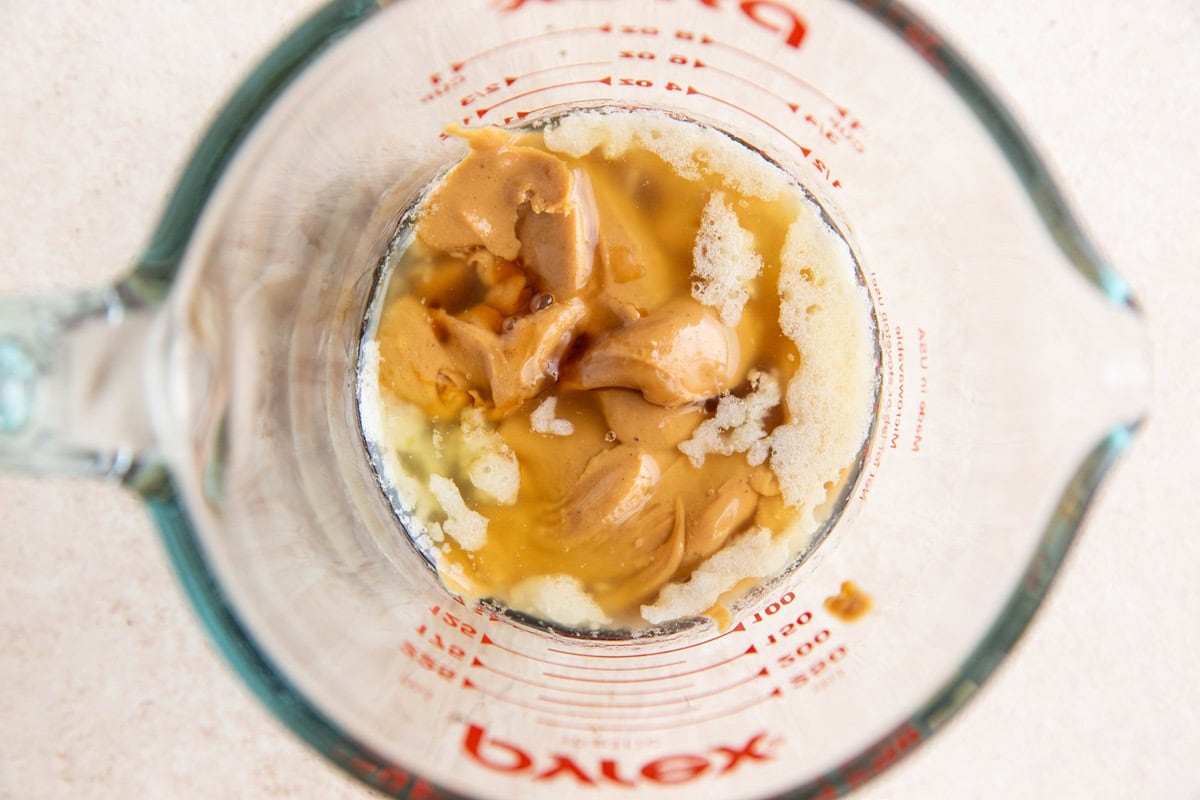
[(509, 367), (478, 203), (679, 354)]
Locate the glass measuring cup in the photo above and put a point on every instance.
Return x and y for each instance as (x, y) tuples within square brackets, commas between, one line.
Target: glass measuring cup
[(876, 253)]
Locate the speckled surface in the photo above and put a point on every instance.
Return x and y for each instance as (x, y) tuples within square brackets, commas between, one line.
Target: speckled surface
[(108, 688)]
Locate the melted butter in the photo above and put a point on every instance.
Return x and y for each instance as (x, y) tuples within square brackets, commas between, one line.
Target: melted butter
[(528, 268)]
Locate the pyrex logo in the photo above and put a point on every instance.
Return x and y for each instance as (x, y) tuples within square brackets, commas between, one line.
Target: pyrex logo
[(508, 758), (773, 15)]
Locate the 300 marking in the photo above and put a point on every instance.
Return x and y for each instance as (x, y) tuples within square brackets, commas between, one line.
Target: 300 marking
[(788, 659)]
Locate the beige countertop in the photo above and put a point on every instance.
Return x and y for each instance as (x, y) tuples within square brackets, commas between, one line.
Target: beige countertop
[(109, 687)]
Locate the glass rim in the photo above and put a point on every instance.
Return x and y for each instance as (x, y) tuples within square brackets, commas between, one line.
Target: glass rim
[(160, 261)]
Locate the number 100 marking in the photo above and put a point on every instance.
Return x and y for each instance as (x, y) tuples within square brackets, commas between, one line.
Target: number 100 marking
[(776, 607)]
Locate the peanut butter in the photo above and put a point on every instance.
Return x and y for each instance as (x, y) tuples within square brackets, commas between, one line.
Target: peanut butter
[(605, 324), (850, 604)]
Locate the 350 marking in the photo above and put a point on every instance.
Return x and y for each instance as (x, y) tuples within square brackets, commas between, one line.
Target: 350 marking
[(815, 670), (426, 661)]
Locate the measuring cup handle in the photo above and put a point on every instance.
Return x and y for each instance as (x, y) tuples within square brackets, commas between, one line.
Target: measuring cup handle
[(73, 393)]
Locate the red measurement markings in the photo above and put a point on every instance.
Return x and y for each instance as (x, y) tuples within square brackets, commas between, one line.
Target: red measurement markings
[(739, 628), (790, 628), (509, 80), (457, 66), (551, 706), (529, 681), (656, 690), (834, 129), (770, 609), (748, 651), (847, 129), (479, 94), (652, 690), (437, 641), (804, 649), (476, 663), (832, 133), (762, 673), (814, 670), (456, 624), (608, 28), (698, 64), (506, 697), (679, 723), (488, 641), (771, 65), (817, 163), (482, 112), (651, 709), (635, 30), (801, 654), (427, 661), (476, 610), (525, 75), (509, 119)]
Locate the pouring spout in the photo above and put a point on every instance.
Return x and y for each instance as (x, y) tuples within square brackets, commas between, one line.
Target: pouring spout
[(1127, 375)]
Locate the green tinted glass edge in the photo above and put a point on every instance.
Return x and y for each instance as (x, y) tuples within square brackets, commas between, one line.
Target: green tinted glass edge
[(159, 262), (152, 278), (167, 509), (1063, 526), (161, 259)]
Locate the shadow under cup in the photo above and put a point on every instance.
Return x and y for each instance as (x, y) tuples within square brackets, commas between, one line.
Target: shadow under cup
[(1010, 366)]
